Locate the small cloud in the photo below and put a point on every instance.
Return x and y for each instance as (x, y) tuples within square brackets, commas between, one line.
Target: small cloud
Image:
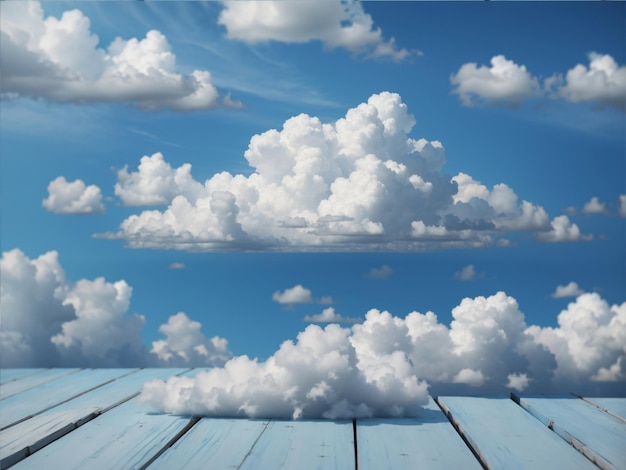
[(622, 205), (329, 315), (562, 230), (468, 273), (518, 382), (380, 273), (472, 377), (295, 295), (594, 206), (326, 300), (568, 290), (177, 266), (73, 197)]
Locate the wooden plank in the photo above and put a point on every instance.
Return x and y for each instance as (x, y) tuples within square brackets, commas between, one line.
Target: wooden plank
[(503, 435), (600, 437), (31, 381), (426, 442), (34, 401), (27, 437), (614, 406), (212, 442), (8, 375), (127, 436), (304, 445)]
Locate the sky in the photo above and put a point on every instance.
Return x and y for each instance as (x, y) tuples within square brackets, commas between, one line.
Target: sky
[(409, 196)]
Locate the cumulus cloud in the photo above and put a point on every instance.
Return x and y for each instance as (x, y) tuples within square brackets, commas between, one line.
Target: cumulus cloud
[(48, 321), (73, 197), (185, 344), (568, 290), (380, 367), (299, 295), (504, 83), (329, 315), (59, 59), (357, 184), (594, 206), (384, 272), (562, 230), (334, 23), (467, 273), (602, 82)]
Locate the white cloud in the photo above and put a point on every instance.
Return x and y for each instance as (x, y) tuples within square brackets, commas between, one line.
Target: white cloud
[(185, 344), (568, 290), (295, 295), (472, 377), (378, 367), (589, 341), (384, 272), (329, 315), (335, 23), (73, 197), (467, 273), (594, 206), (360, 183), (518, 382), (603, 82), (176, 265), (504, 83), (622, 205), (562, 230), (299, 295), (48, 321), (59, 59)]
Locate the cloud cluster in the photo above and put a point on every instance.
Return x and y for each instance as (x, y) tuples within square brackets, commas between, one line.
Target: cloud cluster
[(358, 184), (65, 197), (602, 82), (48, 321), (336, 23), (380, 367), (59, 59)]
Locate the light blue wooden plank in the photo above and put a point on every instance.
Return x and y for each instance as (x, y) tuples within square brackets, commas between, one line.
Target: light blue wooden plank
[(36, 400), (426, 442), (126, 437), (304, 445), (7, 375), (613, 406), (14, 387), (213, 443), (503, 435), (600, 437), (31, 435)]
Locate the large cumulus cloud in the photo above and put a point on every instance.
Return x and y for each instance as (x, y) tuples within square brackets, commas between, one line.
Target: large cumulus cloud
[(360, 183), (48, 321), (336, 23), (59, 59), (386, 365)]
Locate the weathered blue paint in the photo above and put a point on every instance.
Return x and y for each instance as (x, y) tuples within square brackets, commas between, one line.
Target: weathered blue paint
[(31, 381), (126, 437), (213, 443), (600, 437), (45, 396), (7, 375), (425, 442), (505, 436), (305, 445), (613, 406), (27, 437)]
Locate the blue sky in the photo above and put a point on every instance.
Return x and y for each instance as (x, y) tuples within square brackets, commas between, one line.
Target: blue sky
[(551, 132)]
